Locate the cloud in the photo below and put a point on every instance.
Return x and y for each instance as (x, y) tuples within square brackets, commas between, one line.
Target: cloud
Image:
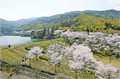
[(117, 8), (11, 17), (82, 9), (23, 6), (114, 2)]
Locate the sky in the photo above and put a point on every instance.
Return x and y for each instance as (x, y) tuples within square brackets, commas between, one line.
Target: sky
[(12, 10)]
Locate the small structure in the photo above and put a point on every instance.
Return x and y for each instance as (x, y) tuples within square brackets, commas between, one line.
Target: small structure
[(23, 59), (9, 46)]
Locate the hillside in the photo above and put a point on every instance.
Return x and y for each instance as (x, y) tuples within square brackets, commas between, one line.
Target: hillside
[(8, 26), (14, 54), (41, 22), (74, 22), (50, 21), (90, 23), (107, 13)]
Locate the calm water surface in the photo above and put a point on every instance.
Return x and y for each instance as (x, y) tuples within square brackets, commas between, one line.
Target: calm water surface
[(16, 40)]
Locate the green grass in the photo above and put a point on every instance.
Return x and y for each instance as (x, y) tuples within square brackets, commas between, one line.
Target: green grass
[(42, 44), (44, 57), (17, 55), (106, 60), (11, 54)]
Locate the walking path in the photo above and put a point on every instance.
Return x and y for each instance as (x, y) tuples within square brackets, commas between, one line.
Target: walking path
[(20, 50)]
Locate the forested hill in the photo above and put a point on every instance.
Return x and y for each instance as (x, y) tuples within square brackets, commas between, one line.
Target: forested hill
[(90, 23), (8, 27), (107, 13), (48, 22), (74, 22)]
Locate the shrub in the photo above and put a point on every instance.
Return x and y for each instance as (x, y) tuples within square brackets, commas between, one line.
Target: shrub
[(28, 48), (44, 57), (118, 55)]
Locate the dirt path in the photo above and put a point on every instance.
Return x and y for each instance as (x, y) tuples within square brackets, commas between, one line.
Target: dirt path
[(4, 75), (21, 77), (20, 50)]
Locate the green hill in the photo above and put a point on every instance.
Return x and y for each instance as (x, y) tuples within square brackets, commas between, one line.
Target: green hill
[(89, 22), (55, 20), (45, 22)]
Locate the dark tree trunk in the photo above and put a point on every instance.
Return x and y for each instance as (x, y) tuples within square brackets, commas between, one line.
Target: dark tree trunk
[(76, 73), (55, 68), (36, 57)]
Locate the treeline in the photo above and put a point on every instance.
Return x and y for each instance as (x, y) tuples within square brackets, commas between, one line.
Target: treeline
[(83, 22), (69, 18), (66, 19), (74, 22), (90, 23)]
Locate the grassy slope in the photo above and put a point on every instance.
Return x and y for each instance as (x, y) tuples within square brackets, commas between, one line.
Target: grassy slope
[(106, 60), (10, 54), (17, 54)]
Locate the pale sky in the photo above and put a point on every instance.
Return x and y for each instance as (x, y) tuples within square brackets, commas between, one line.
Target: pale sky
[(22, 9)]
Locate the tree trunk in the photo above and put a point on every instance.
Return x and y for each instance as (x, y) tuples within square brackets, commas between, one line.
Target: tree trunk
[(76, 73), (58, 64), (30, 62), (36, 57), (55, 68), (109, 76)]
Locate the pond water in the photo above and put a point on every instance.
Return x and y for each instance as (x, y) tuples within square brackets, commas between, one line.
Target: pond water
[(16, 40)]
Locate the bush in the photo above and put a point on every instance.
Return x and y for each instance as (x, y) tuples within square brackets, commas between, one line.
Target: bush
[(118, 55), (28, 48), (43, 52), (44, 57)]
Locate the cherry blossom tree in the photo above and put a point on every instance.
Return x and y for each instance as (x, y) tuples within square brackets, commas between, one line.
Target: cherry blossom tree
[(81, 58), (107, 70), (106, 41), (35, 52), (56, 53), (58, 33)]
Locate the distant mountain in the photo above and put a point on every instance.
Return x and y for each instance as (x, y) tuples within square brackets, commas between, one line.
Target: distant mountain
[(14, 24), (40, 22), (6, 23), (46, 22), (50, 21), (8, 26), (114, 14)]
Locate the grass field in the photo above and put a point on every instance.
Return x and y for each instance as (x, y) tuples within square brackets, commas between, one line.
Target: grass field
[(106, 60), (15, 53)]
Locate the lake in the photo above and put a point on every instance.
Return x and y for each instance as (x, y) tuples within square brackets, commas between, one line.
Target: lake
[(16, 40)]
